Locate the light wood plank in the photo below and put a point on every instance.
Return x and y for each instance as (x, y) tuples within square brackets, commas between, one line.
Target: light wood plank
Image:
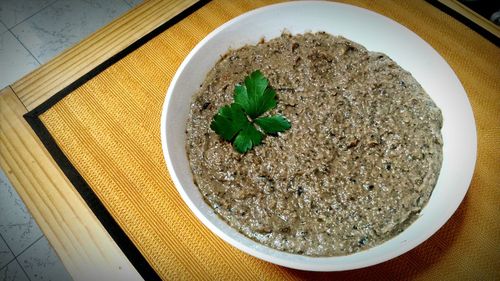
[(473, 16), (61, 71), (85, 248)]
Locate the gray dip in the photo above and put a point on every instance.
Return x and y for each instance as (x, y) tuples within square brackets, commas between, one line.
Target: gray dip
[(356, 168)]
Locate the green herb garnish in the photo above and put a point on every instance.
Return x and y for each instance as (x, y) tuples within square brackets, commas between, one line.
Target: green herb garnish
[(236, 122)]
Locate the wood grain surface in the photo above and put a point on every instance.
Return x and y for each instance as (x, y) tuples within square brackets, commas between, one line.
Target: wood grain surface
[(473, 16), (80, 240), (61, 71), (83, 245)]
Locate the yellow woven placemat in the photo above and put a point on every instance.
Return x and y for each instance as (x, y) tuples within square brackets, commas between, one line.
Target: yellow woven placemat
[(109, 130)]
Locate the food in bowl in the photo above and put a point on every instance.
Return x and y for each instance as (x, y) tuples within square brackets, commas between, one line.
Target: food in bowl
[(358, 164)]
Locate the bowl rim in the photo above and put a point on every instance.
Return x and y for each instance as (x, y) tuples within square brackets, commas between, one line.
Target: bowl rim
[(252, 251)]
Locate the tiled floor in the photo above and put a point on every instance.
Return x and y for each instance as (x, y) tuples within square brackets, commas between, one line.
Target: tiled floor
[(31, 33)]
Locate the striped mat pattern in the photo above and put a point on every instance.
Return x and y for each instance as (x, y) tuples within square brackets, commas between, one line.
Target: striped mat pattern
[(109, 130)]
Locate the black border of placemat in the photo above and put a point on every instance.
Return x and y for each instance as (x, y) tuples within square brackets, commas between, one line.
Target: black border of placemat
[(122, 240), (111, 226), (469, 23)]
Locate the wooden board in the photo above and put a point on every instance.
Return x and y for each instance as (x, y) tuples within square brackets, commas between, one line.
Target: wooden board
[(83, 245), (472, 16), (61, 71), (77, 236), (80, 240)]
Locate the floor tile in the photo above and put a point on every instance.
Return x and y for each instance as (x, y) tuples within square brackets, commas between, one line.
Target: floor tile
[(13, 12), (13, 272), (41, 263), (65, 23), (15, 60), (133, 3), (17, 226), (6, 255)]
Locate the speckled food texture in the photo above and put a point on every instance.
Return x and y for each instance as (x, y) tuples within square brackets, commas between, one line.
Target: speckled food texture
[(356, 168)]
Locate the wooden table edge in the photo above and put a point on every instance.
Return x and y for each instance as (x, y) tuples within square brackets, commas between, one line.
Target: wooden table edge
[(83, 245), (67, 67)]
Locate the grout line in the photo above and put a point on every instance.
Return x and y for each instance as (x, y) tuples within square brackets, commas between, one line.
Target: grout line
[(11, 261), (22, 268), (128, 4), (43, 8), (22, 44), (29, 246), (1, 237), (15, 257)]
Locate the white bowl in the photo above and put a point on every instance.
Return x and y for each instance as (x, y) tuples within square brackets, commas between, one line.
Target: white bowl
[(376, 33)]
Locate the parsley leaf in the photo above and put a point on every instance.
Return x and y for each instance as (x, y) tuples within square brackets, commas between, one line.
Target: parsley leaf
[(273, 124), (229, 121), (255, 96), (248, 138), (236, 122)]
